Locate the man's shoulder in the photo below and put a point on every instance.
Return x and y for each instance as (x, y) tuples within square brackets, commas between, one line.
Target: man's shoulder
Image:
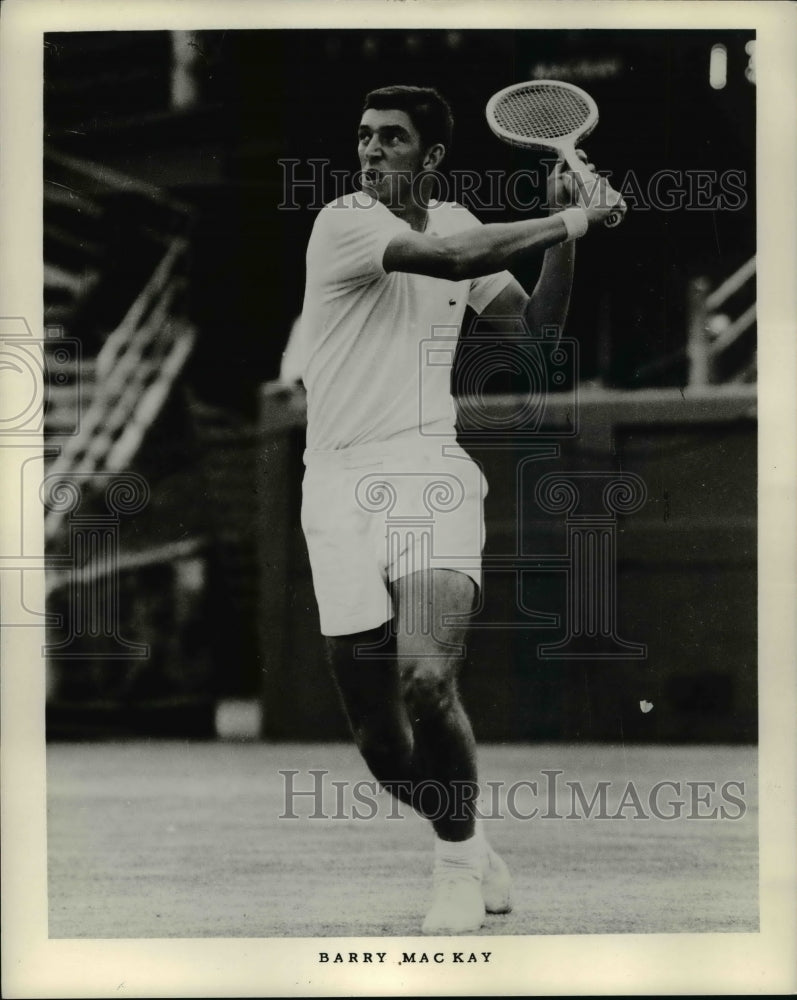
[(350, 213), (451, 216), (354, 199)]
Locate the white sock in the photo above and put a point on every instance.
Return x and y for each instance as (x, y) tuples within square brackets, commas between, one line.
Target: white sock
[(459, 853)]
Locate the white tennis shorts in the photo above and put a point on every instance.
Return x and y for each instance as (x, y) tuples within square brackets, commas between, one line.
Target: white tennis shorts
[(374, 513)]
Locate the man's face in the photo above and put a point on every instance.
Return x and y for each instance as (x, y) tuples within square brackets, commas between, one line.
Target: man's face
[(391, 154)]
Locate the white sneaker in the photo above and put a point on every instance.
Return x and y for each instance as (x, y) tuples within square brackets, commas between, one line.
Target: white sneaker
[(496, 884), (458, 906)]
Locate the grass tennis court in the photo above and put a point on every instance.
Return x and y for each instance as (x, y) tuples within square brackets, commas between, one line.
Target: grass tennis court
[(173, 839)]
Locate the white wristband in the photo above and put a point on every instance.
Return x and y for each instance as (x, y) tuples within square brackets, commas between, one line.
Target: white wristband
[(576, 222)]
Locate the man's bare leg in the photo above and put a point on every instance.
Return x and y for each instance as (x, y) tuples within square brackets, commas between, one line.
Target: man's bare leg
[(412, 730), (430, 654), (404, 711), (430, 651), (371, 695)]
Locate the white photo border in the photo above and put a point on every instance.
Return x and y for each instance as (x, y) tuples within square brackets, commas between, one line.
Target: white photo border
[(35, 966)]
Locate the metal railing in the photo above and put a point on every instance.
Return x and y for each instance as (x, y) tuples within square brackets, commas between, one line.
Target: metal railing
[(711, 333), (136, 369)]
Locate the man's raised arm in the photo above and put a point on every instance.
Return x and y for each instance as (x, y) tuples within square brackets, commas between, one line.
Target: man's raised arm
[(498, 246), (474, 252)]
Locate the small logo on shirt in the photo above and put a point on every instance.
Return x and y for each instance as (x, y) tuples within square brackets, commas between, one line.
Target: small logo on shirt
[(452, 302)]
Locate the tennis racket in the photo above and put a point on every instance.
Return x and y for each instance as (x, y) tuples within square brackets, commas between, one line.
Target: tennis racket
[(547, 114)]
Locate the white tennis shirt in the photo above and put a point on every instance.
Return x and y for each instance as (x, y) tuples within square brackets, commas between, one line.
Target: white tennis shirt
[(370, 370)]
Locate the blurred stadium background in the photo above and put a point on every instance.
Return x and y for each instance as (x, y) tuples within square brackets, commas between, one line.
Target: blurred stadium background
[(176, 277)]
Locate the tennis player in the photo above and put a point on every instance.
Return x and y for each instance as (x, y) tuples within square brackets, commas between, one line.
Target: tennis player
[(385, 266)]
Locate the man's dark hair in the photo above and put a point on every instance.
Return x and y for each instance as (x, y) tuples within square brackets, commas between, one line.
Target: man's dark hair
[(428, 111)]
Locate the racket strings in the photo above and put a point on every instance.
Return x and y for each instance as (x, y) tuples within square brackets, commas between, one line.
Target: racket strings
[(542, 113)]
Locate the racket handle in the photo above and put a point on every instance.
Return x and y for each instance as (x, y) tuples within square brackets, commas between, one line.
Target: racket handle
[(577, 167)]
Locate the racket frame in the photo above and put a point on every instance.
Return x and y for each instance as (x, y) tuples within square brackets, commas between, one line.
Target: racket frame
[(564, 146), (558, 144)]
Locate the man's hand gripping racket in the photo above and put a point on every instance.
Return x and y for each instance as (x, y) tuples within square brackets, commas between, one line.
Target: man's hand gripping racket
[(550, 115)]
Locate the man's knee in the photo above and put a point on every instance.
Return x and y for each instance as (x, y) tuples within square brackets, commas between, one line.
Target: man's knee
[(428, 685)]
